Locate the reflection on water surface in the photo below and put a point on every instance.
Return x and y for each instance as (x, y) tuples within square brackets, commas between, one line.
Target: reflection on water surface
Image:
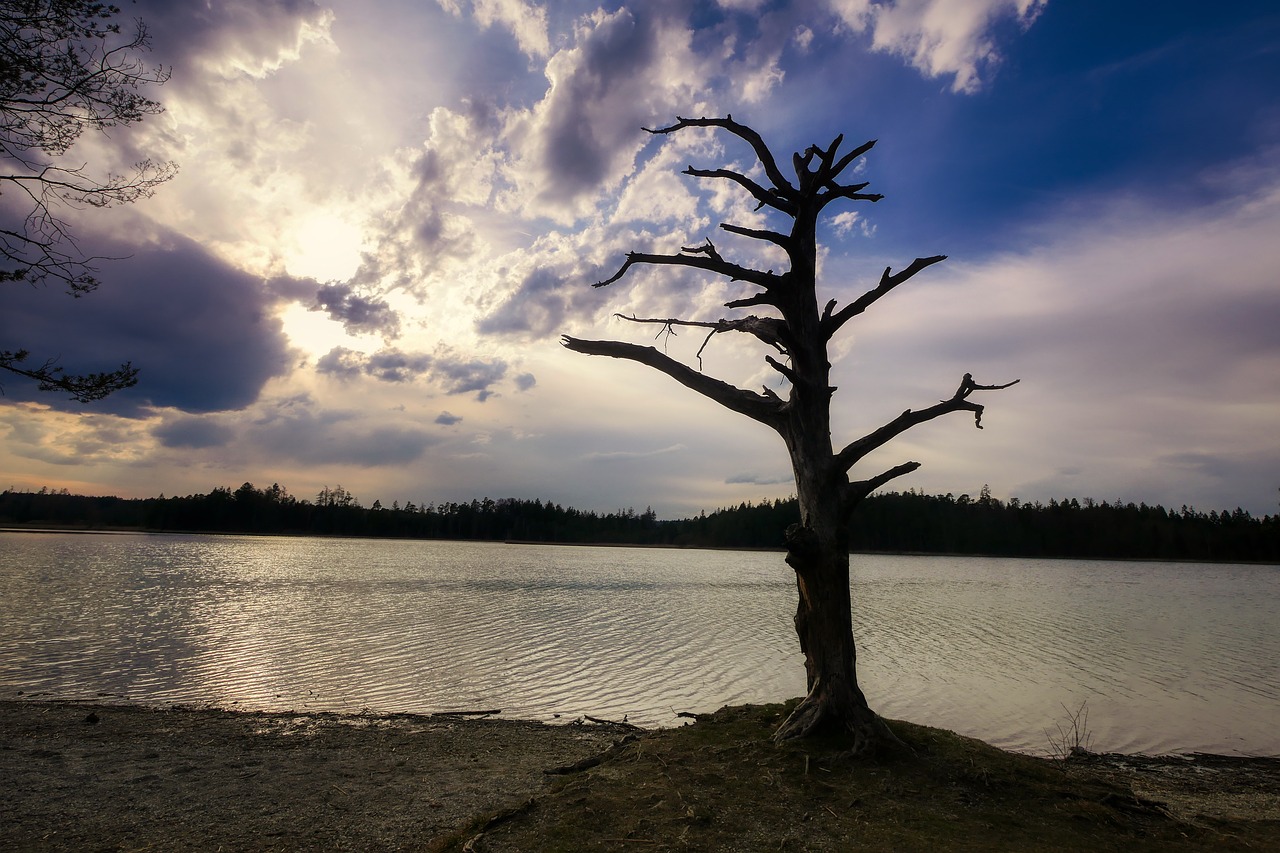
[(1170, 657)]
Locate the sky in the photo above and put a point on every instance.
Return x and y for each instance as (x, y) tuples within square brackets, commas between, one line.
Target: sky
[(388, 211)]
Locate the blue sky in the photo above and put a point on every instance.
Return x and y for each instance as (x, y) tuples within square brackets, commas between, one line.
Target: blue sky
[(387, 212)]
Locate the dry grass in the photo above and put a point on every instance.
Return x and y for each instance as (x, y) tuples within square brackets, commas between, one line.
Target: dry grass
[(722, 785)]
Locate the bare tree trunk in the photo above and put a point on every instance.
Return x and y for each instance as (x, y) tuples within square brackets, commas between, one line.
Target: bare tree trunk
[(818, 551)]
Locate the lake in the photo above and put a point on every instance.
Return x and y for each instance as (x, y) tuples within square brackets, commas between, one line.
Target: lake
[(1168, 657)]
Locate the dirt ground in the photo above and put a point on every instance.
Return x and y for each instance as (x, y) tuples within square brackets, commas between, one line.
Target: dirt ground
[(80, 777), (103, 777)]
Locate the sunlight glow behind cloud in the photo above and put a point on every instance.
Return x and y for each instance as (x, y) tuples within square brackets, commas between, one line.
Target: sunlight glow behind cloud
[(387, 213)]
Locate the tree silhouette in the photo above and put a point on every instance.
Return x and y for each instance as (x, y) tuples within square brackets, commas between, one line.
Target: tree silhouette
[(798, 330), (65, 67)]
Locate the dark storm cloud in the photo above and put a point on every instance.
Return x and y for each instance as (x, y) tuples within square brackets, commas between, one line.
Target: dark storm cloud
[(202, 332), (355, 312), (192, 433), (454, 373)]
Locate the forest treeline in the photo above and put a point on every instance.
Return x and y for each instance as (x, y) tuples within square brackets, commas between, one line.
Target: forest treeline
[(910, 522)]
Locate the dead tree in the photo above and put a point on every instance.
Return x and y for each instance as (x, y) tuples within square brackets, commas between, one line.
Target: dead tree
[(798, 330)]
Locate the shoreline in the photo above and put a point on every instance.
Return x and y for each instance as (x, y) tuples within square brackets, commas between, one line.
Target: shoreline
[(142, 531), (77, 774)]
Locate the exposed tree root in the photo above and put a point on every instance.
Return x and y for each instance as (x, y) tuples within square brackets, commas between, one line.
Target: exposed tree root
[(867, 733)]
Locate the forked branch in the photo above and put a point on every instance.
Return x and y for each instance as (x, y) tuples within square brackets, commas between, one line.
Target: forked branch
[(959, 401), (710, 261), (763, 195), (786, 191), (855, 492)]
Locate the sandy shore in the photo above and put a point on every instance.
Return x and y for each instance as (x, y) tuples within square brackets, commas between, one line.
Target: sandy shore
[(82, 777)]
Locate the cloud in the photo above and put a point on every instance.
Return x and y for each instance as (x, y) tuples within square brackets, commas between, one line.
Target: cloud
[(453, 372), (355, 312), (448, 419), (535, 306), (525, 381), (237, 37), (759, 480), (938, 37), (427, 233), (387, 365), (1145, 340), (195, 433), (204, 334), (306, 434), (625, 455), (526, 23), (461, 375), (625, 69)]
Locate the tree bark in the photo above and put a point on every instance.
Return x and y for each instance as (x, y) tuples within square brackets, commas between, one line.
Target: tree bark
[(818, 552), (835, 705)]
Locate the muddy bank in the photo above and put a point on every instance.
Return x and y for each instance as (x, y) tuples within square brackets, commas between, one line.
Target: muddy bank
[(80, 777)]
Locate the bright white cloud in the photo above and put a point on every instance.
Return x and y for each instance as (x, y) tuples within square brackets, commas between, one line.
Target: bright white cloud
[(526, 22), (938, 37)]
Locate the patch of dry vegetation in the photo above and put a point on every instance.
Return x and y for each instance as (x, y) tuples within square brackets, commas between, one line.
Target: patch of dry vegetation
[(723, 785)]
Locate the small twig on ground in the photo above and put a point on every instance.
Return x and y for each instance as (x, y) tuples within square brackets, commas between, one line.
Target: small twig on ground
[(484, 713), (620, 723), (591, 760)]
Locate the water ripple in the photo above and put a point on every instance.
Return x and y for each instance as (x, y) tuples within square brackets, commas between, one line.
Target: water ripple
[(1168, 657)]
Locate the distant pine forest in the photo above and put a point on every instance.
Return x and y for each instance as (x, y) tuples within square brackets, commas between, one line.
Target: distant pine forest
[(900, 522)]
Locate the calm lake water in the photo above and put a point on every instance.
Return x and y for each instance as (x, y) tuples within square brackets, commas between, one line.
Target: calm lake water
[(1169, 657)]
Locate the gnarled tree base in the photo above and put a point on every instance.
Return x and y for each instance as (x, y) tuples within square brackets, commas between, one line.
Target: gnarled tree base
[(820, 715)]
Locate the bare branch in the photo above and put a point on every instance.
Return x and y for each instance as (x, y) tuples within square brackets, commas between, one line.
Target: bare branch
[(851, 192), (771, 197), (831, 323), (781, 368), (708, 248), (856, 491), (772, 236), (763, 298), (755, 406), (959, 401), (711, 264), (850, 157), (770, 330), (763, 154)]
